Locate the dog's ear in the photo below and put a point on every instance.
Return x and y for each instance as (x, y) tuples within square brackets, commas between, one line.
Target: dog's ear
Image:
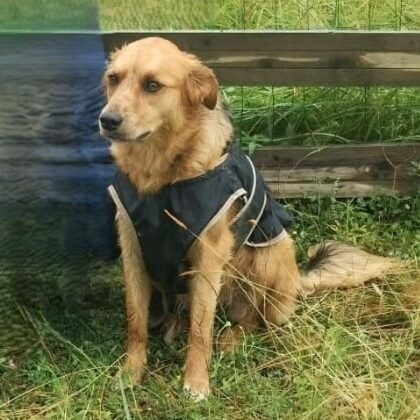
[(201, 86)]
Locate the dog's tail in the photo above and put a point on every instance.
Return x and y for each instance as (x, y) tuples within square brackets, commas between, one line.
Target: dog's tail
[(336, 265)]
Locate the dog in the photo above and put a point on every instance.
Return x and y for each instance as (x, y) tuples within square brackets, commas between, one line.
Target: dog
[(169, 128)]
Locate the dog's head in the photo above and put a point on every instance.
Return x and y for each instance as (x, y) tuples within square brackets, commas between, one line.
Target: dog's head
[(151, 86)]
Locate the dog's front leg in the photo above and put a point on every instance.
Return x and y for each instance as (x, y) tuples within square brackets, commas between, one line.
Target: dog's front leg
[(204, 293), (137, 297), (210, 256)]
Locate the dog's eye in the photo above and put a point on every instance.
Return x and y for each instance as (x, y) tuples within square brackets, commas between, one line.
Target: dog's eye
[(113, 79), (152, 86)]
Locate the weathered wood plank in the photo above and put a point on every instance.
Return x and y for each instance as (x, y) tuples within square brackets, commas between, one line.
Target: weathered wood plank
[(299, 58), (347, 155), (364, 173), (251, 58), (312, 59), (318, 77), (342, 189), (266, 157), (276, 40), (342, 171)]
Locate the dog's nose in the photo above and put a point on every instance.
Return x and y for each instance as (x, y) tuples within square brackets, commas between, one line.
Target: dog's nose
[(110, 120)]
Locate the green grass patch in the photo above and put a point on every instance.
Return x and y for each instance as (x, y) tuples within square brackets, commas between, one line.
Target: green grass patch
[(345, 354), (260, 14), (48, 15), (322, 116)]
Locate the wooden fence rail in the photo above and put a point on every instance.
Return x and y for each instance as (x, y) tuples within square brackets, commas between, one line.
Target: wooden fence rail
[(49, 132), (341, 171), (352, 58)]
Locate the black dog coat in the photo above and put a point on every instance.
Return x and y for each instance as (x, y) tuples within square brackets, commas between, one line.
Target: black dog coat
[(168, 222)]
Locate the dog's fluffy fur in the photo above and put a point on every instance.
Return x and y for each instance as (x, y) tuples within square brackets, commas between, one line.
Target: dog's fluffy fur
[(175, 127)]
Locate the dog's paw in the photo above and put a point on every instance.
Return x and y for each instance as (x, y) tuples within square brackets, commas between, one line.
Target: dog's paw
[(198, 390)]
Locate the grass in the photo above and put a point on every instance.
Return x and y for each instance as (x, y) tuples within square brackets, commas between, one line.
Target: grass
[(48, 15), (260, 14), (319, 116), (346, 354)]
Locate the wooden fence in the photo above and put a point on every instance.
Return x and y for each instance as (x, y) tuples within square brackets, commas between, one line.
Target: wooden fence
[(299, 58), (54, 166), (315, 59), (49, 114)]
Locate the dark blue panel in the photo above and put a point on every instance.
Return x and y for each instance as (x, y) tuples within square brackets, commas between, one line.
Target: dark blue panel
[(54, 167)]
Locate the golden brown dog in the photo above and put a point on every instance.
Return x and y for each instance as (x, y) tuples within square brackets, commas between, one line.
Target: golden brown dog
[(166, 121)]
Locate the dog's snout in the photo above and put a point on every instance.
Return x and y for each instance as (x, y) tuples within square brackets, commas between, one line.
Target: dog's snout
[(110, 120)]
